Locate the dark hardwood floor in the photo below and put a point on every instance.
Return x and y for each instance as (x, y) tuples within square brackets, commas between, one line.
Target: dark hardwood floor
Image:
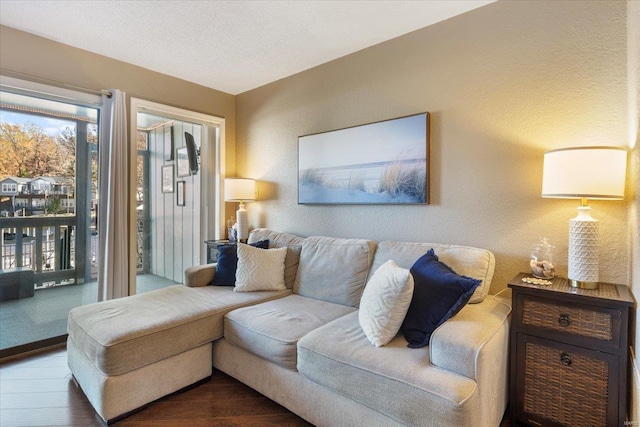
[(40, 391)]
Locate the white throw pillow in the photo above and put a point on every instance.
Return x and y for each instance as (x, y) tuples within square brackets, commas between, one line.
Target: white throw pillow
[(385, 302), (260, 269)]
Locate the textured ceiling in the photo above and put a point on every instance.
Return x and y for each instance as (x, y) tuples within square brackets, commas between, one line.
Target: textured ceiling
[(232, 46)]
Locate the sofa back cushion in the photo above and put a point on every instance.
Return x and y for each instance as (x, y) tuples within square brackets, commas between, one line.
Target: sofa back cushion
[(333, 269), (278, 239), (465, 260)]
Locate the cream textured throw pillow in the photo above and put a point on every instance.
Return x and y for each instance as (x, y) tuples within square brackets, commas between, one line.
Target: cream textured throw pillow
[(385, 302), (260, 269)]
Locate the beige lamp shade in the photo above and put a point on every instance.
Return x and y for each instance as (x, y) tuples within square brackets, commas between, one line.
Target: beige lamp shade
[(589, 172), (239, 190), (584, 173)]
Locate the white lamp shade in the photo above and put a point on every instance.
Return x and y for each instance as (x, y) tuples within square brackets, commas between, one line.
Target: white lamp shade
[(584, 173), (239, 190), (589, 172)]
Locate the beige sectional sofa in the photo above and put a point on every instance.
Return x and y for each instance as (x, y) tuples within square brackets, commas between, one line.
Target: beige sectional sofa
[(303, 346)]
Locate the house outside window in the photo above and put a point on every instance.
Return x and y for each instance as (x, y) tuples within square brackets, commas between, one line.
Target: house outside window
[(40, 186), (9, 188)]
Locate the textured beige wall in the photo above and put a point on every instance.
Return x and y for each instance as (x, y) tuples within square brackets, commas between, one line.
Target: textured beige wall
[(30, 54), (504, 83)]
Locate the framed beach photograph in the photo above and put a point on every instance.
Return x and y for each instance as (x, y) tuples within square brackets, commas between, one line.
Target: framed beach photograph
[(378, 163), (182, 162), (167, 179), (180, 196)]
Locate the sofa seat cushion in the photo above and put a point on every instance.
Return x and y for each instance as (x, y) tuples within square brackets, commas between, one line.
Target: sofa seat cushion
[(272, 329), (395, 380), (473, 262), (124, 334)]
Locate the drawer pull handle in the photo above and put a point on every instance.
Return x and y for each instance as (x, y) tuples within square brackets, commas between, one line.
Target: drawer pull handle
[(564, 320), (565, 359)]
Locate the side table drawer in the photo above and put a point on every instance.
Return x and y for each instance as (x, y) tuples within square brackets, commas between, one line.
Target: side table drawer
[(564, 384), (542, 315)]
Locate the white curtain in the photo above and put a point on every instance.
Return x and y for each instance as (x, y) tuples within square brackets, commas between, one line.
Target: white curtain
[(113, 203)]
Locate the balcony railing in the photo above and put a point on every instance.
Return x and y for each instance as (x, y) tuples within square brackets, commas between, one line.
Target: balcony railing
[(49, 245), (52, 247)]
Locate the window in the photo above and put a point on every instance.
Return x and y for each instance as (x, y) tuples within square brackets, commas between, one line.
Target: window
[(9, 188)]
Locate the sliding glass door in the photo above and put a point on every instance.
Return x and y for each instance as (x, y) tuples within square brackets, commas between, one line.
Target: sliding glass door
[(48, 200)]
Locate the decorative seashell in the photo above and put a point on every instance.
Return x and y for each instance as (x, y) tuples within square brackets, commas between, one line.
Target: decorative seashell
[(535, 281)]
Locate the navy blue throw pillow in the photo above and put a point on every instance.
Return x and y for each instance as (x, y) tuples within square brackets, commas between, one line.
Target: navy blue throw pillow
[(228, 263), (438, 294)]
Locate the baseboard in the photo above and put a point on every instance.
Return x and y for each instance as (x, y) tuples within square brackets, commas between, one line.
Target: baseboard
[(32, 348)]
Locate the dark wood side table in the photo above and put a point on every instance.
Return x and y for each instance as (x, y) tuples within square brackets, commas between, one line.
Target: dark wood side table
[(212, 249), (569, 354)]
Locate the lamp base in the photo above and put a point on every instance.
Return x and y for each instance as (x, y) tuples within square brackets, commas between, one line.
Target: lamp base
[(242, 221), (583, 285), (583, 250)]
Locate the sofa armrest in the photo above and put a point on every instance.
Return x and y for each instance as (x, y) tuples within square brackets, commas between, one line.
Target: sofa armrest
[(461, 344), (199, 275)]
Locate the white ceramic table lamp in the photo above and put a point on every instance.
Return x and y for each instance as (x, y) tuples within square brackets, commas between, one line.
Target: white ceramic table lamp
[(240, 190), (584, 173)]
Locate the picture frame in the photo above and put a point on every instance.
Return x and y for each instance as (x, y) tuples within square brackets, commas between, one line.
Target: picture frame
[(182, 162), (167, 179), (385, 162), (180, 197), (168, 139)]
